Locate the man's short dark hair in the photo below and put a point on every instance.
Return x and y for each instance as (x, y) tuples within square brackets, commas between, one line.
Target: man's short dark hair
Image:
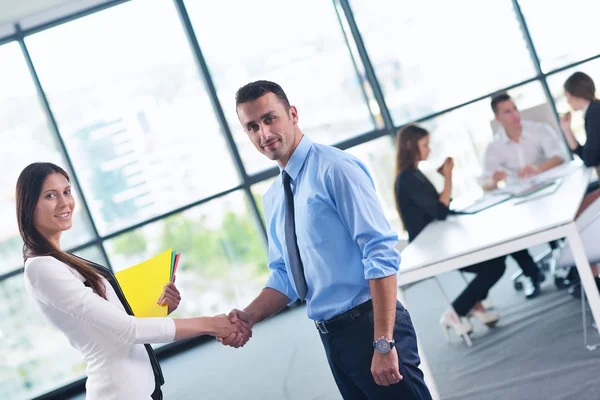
[(581, 85), (254, 90), (497, 99)]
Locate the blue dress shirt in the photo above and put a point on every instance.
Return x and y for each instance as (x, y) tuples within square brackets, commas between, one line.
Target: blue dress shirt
[(343, 235)]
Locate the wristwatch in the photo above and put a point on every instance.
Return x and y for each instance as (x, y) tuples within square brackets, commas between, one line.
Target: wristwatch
[(383, 345)]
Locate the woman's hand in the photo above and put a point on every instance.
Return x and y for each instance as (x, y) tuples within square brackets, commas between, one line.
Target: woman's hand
[(447, 167), (565, 122), (170, 296)]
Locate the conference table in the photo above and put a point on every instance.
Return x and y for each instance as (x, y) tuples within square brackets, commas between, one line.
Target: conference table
[(513, 225)]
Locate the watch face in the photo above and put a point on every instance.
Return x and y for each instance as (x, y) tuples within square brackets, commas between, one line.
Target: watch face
[(382, 346)]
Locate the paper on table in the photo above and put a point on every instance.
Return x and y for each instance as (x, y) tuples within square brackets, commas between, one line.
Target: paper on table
[(143, 284)]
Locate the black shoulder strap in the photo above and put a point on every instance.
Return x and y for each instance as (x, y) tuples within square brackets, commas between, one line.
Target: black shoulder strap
[(110, 277)]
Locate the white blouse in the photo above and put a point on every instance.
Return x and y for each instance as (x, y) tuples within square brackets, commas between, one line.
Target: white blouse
[(110, 340)]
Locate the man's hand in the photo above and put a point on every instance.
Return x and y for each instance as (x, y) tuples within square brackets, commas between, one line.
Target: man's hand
[(385, 369), (527, 171), (237, 340), (170, 296), (499, 176)]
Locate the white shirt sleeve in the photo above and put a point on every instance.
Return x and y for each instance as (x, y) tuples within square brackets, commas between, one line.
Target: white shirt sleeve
[(551, 143), (53, 284), (492, 160)]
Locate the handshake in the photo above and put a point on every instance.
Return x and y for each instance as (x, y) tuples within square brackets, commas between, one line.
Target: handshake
[(234, 329)]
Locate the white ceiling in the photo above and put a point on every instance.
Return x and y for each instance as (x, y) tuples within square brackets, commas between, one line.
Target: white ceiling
[(12, 11)]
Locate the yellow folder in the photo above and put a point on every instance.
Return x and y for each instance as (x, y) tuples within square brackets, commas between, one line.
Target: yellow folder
[(143, 284)]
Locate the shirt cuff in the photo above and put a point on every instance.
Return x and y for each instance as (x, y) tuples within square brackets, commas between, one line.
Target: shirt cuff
[(280, 282), (381, 268), (154, 330)]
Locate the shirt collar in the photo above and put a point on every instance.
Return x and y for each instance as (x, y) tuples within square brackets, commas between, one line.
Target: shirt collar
[(506, 139), (299, 155)]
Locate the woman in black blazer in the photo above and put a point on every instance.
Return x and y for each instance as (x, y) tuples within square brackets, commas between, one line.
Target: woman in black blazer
[(419, 204), (581, 96), (580, 91)]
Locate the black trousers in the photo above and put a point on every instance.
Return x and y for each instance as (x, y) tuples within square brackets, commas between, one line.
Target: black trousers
[(350, 353), (487, 274), (526, 263)]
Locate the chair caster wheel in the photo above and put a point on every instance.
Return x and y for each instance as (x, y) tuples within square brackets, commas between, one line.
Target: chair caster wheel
[(562, 283), (518, 285)]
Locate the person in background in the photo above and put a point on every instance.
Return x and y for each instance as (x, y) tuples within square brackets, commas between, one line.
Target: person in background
[(84, 301), (580, 91), (520, 149), (419, 204), (331, 245), (581, 96)]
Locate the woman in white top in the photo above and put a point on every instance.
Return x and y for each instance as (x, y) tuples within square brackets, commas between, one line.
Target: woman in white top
[(83, 300)]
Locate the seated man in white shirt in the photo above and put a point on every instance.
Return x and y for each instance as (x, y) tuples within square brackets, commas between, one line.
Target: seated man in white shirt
[(519, 150)]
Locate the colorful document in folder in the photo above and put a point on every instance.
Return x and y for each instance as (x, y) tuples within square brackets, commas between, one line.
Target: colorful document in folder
[(143, 283)]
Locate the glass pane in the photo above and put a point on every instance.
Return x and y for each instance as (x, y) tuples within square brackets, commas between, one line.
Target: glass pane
[(426, 61), (556, 82), (258, 192), (465, 133), (133, 111), (36, 357), (223, 256), (313, 65), (94, 254), (562, 32), (25, 138)]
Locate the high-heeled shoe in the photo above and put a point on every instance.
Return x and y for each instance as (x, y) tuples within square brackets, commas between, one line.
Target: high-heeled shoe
[(451, 320), (489, 318)]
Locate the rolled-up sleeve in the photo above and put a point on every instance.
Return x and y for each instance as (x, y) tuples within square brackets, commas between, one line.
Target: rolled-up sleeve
[(279, 279), (356, 202), (54, 285)]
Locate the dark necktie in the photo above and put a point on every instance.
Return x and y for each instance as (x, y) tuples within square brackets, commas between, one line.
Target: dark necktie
[(291, 242)]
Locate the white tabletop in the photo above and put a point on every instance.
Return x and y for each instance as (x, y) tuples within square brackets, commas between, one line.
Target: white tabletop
[(463, 234)]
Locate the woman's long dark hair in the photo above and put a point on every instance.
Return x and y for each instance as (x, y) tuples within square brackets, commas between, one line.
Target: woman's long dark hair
[(29, 188), (407, 151)]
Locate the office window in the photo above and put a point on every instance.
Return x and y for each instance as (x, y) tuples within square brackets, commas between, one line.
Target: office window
[(133, 111), (433, 54), (94, 254), (25, 138), (556, 83), (223, 260), (36, 357), (301, 48), (562, 32)]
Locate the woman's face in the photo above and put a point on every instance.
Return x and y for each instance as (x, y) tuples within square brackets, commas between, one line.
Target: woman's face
[(54, 209), (423, 145)]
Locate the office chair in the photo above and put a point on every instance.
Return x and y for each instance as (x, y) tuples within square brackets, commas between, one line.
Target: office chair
[(588, 225)]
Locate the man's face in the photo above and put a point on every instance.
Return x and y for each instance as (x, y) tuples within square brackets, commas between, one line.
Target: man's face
[(269, 125), (508, 115)]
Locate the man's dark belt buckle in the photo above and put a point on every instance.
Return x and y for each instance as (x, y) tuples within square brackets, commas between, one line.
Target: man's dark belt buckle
[(322, 327)]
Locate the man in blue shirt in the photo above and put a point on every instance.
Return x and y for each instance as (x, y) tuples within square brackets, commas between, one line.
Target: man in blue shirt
[(330, 244)]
